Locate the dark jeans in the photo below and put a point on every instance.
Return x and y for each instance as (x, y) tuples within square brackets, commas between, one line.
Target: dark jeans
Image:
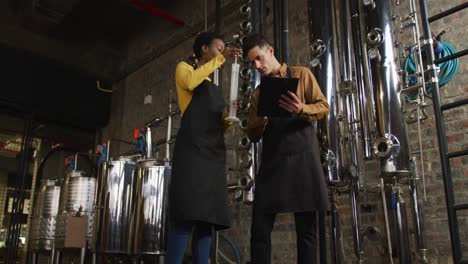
[(306, 232), (178, 238)]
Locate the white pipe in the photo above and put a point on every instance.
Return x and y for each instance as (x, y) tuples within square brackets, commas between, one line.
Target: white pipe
[(148, 143), (233, 92), (169, 128)]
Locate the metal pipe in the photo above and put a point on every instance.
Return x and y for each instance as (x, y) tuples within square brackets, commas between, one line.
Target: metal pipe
[(158, 120), (32, 198), (323, 64), (350, 103), (34, 258), (169, 130), (345, 89), (108, 150), (100, 194), (365, 90), (14, 227), (285, 30), (390, 119), (83, 256), (57, 257), (336, 238), (454, 104), (148, 141), (260, 16), (448, 12), (353, 193), (76, 162), (441, 138), (276, 30), (387, 221), (451, 57), (404, 250), (422, 90), (418, 217), (217, 17), (421, 154), (345, 40), (52, 256)]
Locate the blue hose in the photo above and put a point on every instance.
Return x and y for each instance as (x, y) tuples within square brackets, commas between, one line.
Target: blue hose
[(233, 246), (447, 71)]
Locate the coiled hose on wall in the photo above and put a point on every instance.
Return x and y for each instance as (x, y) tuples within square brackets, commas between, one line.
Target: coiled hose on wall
[(447, 70)]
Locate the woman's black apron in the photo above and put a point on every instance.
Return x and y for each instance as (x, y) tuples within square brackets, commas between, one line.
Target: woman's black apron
[(290, 178), (198, 185)]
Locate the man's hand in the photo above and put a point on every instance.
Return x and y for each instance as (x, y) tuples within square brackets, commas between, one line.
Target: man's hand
[(230, 52), (291, 103), (235, 103)]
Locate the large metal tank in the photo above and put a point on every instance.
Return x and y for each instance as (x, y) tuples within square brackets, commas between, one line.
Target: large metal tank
[(150, 219), (76, 198), (45, 214), (116, 205)]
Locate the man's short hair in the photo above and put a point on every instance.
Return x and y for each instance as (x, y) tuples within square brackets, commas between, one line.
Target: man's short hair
[(253, 40)]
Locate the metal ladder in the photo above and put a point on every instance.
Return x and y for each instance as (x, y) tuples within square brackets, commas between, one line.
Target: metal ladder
[(445, 156)]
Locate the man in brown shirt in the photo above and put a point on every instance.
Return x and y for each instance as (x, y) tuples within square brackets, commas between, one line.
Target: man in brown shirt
[(290, 178)]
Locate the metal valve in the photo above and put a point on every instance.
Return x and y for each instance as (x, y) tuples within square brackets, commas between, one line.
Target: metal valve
[(245, 10), (245, 161), (246, 182), (246, 73), (246, 89), (244, 143), (369, 3), (317, 48), (375, 37), (246, 26), (243, 123)]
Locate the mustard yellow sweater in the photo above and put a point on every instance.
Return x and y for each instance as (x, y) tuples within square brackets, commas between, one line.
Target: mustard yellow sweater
[(187, 79)]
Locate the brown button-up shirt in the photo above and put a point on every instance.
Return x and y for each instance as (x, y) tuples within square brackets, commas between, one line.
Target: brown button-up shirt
[(315, 105)]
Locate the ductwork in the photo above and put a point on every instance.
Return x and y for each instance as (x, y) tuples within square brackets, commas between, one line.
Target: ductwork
[(158, 12), (54, 10)]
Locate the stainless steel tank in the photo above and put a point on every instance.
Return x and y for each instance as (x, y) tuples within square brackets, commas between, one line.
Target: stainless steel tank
[(150, 219), (116, 205), (45, 216), (77, 196)]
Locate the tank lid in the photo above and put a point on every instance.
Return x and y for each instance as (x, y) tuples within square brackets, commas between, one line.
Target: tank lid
[(50, 182), (149, 163), (126, 158), (76, 173)]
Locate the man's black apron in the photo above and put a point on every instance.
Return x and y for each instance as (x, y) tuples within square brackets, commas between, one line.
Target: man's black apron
[(290, 178), (198, 185)]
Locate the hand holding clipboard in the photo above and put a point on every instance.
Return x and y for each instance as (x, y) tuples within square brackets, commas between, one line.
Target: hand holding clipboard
[(278, 97)]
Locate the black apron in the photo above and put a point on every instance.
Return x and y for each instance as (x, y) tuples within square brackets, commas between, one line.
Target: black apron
[(290, 178), (198, 185)]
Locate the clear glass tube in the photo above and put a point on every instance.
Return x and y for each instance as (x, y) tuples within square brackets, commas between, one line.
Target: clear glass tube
[(233, 91)]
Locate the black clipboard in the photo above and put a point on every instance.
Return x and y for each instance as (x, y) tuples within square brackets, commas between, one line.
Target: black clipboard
[(271, 89)]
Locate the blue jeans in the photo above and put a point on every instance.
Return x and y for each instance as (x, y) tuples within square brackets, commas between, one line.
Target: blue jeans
[(178, 238)]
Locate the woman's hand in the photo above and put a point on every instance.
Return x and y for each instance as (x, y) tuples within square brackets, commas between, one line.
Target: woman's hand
[(236, 105), (230, 52)]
